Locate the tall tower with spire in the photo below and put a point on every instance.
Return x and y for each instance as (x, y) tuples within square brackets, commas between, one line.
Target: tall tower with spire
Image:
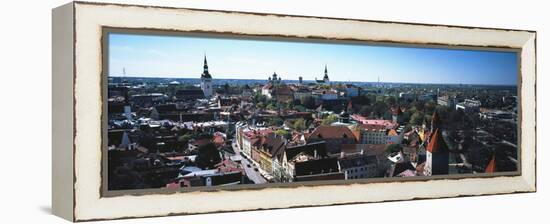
[(325, 78), (206, 80), (437, 151)]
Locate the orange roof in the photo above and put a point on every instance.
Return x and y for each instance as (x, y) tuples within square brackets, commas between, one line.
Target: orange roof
[(331, 132), (492, 166), (436, 142), (357, 134)]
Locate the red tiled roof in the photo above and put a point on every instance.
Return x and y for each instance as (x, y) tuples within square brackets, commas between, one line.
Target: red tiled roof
[(387, 123), (332, 132), (173, 185), (357, 134), (392, 132), (284, 90), (368, 149), (255, 141), (268, 86), (436, 142), (372, 126), (492, 166)]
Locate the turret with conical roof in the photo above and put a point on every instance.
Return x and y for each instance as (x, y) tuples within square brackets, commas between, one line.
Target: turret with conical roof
[(437, 154), (492, 166)]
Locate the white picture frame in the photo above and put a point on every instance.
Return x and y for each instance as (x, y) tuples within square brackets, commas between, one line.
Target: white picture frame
[(77, 110)]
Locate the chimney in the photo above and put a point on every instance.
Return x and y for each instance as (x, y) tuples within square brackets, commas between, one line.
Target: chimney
[(362, 151), (342, 154), (315, 154)]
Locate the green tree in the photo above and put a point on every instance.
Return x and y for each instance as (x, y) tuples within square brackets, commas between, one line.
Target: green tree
[(390, 100), (417, 118), (281, 132), (259, 98), (417, 106), (275, 121), (365, 111), (299, 124), (429, 107), (361, 100), (300, 108), (207, 156), (271, 107), (185, 138), (288, 104), (393, 148), (226, 87), (380, 108), (330, 119), (308, 102)]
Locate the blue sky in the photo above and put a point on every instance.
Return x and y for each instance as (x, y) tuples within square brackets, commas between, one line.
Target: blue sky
[(182, 57)]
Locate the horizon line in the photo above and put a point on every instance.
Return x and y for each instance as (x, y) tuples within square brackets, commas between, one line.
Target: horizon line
[(313, 80)]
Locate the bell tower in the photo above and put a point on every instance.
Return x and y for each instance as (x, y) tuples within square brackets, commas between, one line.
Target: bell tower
[(325, 78), (437, 151), (206, 80)]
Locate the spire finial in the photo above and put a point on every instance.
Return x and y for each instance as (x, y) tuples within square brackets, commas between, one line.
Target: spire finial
[(325, 78)]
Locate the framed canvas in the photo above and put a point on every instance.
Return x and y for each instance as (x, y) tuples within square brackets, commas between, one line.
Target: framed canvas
[(157, 110)]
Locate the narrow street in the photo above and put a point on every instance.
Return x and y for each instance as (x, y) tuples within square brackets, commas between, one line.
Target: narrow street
[(248, 167)]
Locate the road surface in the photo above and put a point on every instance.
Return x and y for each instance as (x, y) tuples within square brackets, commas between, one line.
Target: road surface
[(253, 175)]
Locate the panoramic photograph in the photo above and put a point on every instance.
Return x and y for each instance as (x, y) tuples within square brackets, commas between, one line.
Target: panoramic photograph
[(202, 111)]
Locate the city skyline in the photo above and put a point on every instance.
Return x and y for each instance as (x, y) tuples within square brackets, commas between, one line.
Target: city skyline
[(182, 57)]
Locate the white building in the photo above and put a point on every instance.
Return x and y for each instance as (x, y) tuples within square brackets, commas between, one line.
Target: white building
[(407, 96), (373, 135), (469, 106), (447, 101), (358, 166)]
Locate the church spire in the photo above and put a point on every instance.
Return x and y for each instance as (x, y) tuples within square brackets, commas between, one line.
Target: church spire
[(436, 121), (205, 73), (205, 64), (325, 78), (206, 80)]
